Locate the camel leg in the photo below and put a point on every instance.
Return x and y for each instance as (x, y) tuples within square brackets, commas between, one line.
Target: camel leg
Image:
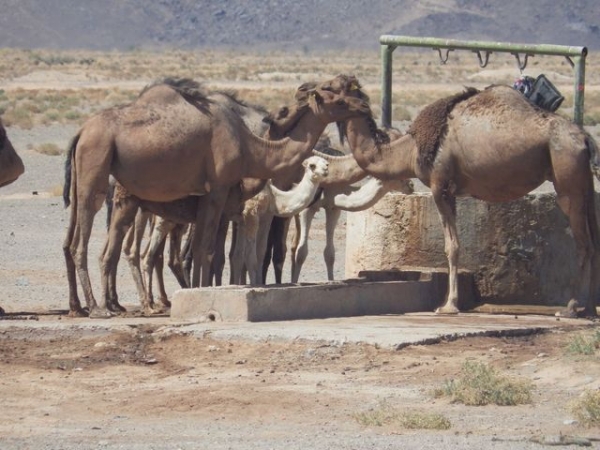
[(210, 209), (282, 226), (305, 219), (276, 248), (294, 249), (175, 259), (580, 210), (132, 254), (153, 261), (186, 256), (232, 252), (446, 204), (269, 251), (219, 261), (75, 309), (122, 218), (262, 235), (332, 216), (157, 266), (79, 251), (247, 240), (237, 253)]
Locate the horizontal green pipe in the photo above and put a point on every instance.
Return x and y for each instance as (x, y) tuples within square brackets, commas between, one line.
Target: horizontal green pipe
[(540, 49)]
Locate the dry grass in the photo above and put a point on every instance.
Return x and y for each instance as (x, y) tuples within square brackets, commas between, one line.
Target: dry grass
[(388, 416), (268, 78), (584, 344), (480, 384), (49, 149), (586, 408)]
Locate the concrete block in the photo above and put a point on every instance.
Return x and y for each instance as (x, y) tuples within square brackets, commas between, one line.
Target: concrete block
[(356, 297), (518, 252)]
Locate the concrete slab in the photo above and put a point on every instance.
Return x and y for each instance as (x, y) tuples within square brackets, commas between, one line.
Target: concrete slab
[(389, 331), (385, 331)]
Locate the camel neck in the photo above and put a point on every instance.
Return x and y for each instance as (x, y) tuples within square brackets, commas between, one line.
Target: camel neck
[(266, 158), (396, 160), (343, 170)]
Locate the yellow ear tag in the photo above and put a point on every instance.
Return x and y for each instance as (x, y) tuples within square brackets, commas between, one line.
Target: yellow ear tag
[(353, 86)]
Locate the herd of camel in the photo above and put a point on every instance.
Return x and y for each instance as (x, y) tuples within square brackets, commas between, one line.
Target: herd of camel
[(189, 161)]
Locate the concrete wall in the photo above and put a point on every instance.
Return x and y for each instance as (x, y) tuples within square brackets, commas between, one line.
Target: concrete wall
[(519, 252)]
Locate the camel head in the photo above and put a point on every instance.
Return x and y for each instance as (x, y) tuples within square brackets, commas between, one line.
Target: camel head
[(11, 165), (332, 107), (317, 167)]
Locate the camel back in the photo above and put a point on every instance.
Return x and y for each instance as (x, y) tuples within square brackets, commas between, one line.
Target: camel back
[(431, 125)]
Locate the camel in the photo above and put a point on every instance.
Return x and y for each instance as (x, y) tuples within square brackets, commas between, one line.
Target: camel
[(170, 217), (254, 118), (172, 142), (335, 200), (275, 202), (11, 164), (183, 213), (493, 145)]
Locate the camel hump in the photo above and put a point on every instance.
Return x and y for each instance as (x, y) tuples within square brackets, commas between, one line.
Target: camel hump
[(430, 126)]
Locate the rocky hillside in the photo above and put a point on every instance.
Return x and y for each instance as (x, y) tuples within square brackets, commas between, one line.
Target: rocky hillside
[(289, 24)]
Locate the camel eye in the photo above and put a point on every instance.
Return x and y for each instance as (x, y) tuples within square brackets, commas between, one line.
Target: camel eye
[(312, 166), (340, 102)]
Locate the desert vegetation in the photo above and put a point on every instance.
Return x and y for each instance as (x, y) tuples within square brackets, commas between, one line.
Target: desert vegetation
[(41, 87)]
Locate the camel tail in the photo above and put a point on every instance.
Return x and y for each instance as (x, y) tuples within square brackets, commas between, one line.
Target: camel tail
[(592, 147), (68, 166)]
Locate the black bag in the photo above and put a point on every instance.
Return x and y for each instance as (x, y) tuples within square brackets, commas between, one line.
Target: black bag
[(540, 91)]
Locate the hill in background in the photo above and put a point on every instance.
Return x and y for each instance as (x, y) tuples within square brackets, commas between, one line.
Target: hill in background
[(289, 24)]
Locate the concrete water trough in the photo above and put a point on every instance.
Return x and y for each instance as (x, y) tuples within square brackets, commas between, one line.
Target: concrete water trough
[(372, 293), (520, 252)]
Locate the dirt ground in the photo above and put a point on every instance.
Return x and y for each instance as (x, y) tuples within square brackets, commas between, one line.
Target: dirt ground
[(123, 385)]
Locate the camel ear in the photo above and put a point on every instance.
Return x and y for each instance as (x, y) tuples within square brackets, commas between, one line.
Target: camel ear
[(318, 97)]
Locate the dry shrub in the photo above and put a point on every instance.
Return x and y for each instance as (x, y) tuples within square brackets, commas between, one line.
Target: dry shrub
[(48, 148), (479, 384), (386, 415), (586, 408)]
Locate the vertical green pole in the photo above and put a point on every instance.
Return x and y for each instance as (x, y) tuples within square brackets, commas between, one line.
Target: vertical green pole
[(579, 89), (386, 85)]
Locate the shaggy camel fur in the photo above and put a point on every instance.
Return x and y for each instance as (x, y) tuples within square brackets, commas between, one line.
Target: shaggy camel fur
[(334, 200), (276, 202), (496, 146), (172, 142), (11, 165)]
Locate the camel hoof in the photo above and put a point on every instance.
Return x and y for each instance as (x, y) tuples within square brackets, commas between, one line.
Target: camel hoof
[(77, 313), (116, 307), (148, 311), (447, 310), (166, 303), (100, 313)]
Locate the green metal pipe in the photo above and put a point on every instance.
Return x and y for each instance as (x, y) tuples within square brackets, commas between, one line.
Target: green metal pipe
[(538, 49), (386, 86), (390, 42), (579, 92)]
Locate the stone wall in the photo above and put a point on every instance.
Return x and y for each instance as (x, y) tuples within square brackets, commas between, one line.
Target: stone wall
[(519, 252)]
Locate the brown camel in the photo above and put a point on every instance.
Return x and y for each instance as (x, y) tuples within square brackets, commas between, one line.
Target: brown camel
[(11, 165), (124, 207), (181, 213), (171, 142), (496, 146)]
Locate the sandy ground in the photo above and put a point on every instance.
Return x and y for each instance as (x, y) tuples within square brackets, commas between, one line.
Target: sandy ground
[(146, 386)]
